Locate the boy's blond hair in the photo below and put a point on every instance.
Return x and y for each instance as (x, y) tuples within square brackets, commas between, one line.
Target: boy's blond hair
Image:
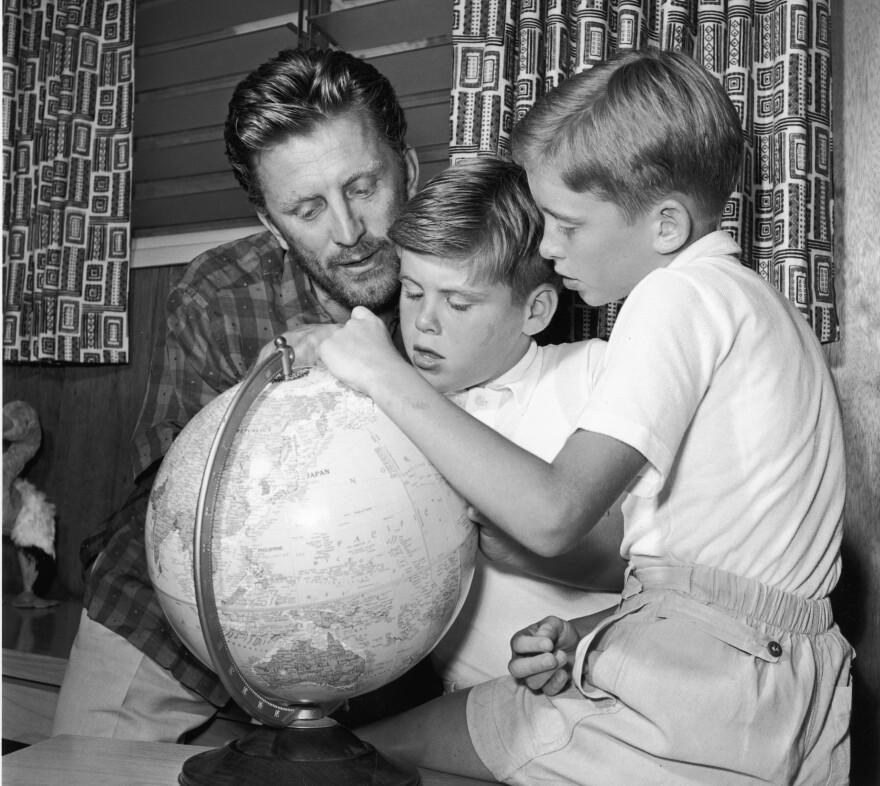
[(636, 128)]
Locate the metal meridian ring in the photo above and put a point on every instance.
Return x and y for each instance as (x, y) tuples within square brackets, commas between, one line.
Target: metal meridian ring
[(269, 711)]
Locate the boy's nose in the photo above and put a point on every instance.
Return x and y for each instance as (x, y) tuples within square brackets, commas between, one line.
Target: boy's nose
[(548, 248), (426, 322)]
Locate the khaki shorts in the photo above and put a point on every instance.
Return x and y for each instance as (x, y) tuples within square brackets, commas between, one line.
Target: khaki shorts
[(701, 677)]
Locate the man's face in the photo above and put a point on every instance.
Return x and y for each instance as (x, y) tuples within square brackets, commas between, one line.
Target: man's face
[(457, 333), (330, 197)]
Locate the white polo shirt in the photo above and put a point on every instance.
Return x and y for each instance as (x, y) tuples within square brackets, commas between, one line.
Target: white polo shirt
[(719, 381), (536, 404)]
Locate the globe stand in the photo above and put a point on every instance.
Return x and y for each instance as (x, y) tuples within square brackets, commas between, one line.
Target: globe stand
[(298, 744), (318, 753)]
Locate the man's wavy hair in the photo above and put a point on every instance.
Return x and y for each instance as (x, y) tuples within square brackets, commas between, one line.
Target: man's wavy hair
[(635, 128), (295, 92), (479, 214)]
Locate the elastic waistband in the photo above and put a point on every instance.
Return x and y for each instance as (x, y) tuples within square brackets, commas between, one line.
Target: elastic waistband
[(740, 595)]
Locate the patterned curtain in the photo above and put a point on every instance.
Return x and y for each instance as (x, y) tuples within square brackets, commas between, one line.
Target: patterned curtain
[(68, 78), (774, 61)]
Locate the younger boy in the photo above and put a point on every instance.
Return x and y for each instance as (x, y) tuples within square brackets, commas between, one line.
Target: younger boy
[(714, 410), (474, 292)]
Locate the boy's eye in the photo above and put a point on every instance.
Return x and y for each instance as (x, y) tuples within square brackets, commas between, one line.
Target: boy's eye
[(459, 306), (410, 294)]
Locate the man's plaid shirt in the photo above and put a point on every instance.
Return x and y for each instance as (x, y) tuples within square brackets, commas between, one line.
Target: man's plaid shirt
[(229, 302)]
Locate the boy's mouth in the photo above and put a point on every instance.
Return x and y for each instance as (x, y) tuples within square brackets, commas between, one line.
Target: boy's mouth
[(425, 358)]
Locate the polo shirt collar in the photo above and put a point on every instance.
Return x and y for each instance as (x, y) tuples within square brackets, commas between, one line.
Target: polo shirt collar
[(715, 244)]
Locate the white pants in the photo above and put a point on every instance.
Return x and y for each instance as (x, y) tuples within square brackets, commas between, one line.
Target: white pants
[(111, 689)]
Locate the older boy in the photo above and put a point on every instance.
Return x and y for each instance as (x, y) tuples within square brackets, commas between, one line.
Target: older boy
[(474, 291), (714, 411)]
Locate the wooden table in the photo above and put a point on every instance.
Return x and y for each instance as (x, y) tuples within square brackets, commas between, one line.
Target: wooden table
[(89, 761)]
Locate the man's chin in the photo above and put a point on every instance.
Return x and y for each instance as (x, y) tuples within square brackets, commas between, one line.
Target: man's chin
[(377, 302), (375, 295)]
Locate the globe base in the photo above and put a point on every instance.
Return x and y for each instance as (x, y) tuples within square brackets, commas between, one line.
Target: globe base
[(316, 754)]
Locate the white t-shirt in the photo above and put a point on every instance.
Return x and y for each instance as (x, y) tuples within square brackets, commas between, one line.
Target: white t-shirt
[(718, 380), (536, 405)]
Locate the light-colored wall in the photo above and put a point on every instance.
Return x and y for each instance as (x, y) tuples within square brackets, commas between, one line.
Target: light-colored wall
[(855, 359)]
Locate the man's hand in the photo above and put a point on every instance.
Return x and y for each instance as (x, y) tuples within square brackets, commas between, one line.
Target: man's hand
[(360, 351), (542, 654), (304, 341)]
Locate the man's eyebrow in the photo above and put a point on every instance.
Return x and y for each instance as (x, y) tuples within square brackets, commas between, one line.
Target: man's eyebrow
[(373, 169)]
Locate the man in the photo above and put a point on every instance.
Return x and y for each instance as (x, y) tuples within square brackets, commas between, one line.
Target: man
[(317, 141)]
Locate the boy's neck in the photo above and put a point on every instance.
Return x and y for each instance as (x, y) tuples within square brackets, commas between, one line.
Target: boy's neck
[(510, 368), (694, 238)]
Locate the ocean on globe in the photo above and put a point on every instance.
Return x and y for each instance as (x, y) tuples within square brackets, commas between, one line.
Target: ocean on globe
[(340, 555)]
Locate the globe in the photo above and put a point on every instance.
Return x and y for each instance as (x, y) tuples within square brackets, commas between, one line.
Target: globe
[(339, 556)]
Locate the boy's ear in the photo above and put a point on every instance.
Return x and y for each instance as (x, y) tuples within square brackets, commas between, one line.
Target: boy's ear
[(673, 224), (539, 309), (270, 225)]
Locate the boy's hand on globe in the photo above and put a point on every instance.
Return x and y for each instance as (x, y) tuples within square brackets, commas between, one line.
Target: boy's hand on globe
[(361, 351), (304, 341), (542, 653)]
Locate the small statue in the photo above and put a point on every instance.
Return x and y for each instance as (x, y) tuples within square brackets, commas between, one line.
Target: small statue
[(28, 517)]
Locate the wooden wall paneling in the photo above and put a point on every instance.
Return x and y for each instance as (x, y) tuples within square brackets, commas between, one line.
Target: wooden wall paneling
[(855, 359), (87, 414)]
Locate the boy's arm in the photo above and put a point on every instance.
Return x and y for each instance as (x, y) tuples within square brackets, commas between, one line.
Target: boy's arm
[(593, 564), (546, 507)]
